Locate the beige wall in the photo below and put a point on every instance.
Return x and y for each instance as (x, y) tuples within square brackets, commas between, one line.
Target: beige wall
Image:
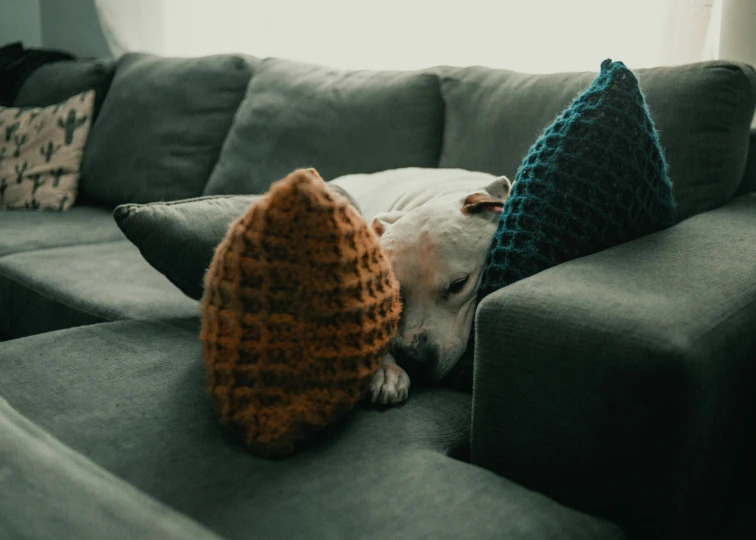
[(738, 33), (72, 25), (738, 36)]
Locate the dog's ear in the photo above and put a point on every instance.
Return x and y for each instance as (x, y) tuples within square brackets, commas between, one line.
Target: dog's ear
[(489, 199), (499, 188), (384, 220)]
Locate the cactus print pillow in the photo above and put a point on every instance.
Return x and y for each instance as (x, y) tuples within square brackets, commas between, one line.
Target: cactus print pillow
[(40, 153)]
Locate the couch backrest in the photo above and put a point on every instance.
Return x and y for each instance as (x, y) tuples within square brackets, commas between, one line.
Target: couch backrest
[(55, 82), (162, 126), (702, 111), (173, 128), (340, 122)]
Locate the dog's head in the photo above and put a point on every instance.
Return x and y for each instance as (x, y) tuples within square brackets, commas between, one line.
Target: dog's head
[(437, 251)]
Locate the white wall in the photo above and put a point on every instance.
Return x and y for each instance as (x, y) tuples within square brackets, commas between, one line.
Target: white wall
[(737, 41), (20, 21), (738, 37)]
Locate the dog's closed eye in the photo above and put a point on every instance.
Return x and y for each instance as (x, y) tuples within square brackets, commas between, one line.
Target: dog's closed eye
[(457, 285)]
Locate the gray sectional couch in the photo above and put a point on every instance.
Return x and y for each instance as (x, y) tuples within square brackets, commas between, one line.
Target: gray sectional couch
[(612, 396)]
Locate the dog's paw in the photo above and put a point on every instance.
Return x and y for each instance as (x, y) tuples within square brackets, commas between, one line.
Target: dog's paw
[(389, 385)]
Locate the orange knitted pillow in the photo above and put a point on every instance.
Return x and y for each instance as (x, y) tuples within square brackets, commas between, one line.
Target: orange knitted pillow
[(299, 306)]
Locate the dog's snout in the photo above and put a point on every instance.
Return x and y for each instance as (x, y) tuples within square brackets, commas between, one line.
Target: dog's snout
[(415, 348), (416, 353)]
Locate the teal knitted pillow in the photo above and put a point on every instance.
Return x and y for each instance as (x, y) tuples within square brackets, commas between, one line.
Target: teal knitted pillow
[(595, 178)]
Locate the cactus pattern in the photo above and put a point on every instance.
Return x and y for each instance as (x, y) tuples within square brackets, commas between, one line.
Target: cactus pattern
[(62, 202), (71, 124), (10, 130), (19, 140), (20, 172), (32, 205), (37, 182), (3, 150), (48, 151), (56, 174), (3, 187)]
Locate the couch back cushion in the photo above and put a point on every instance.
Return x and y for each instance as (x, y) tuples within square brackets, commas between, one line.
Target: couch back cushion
[(298, 115), (162, 126), (702, 112), (57, 81)]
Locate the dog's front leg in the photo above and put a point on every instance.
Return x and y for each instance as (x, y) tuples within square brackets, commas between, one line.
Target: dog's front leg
[(390, 384)]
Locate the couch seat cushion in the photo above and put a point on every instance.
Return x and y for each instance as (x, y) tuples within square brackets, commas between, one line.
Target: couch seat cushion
[(144, 414), (71, 286), (90, 503), (702, 111), (27, 231), (339, 122)]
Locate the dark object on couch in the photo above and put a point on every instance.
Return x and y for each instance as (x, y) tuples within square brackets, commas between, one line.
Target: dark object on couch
[(613, 395), (17, 63)]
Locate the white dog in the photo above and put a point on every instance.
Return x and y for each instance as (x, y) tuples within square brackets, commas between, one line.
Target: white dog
[(436, 226)]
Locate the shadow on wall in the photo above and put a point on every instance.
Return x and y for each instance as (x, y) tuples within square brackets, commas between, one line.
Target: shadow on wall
[(19, 21), (72, 26)]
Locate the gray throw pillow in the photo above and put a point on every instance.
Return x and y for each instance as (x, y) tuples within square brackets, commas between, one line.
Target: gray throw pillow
[(298, 115), (162, 126), (179, 238)]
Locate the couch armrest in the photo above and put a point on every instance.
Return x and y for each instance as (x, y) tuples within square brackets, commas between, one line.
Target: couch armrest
[(623, 383)]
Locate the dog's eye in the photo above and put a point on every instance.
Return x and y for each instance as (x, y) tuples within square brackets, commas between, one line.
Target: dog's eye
[(458, 285)]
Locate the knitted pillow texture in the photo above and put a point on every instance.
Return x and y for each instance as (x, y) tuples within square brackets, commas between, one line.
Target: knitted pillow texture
[(299, 306), (595, 178)]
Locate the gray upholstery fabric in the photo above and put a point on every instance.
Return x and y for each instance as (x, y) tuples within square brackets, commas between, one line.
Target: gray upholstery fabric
[(58, 493), (622, 383), (748, 185), (702, 111), (162, 126), (742, 521), (131, 396), (340, 122), (22, 230), (71, 286), (57, 81), (179, 238)]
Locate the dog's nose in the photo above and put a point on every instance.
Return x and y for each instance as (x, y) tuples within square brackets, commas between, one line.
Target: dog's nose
[(417, 353), (417, 349)]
